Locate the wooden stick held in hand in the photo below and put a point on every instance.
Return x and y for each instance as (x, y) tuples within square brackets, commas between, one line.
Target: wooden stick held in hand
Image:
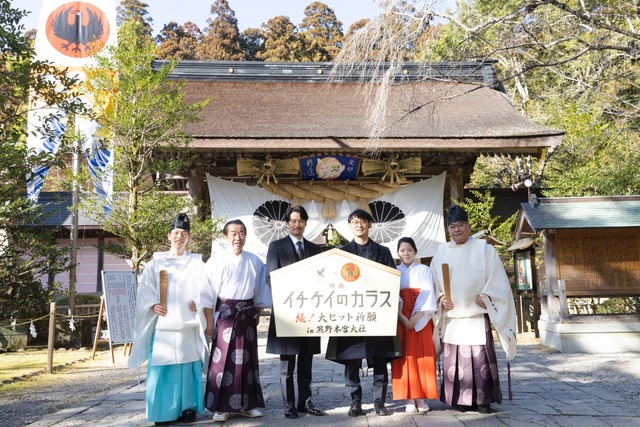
[(445, 280), (164, 281)]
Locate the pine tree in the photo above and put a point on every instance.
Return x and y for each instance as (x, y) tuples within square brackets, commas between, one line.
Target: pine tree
[(135, 10), (177, 41), (221, 39), (320, 32), (281, 42)]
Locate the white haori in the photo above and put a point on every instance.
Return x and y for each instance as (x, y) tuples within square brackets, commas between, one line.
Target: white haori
[(475, 269), (179, 336)]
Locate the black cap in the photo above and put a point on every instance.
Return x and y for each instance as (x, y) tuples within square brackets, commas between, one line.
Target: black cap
[(181, 221), (456, 214)]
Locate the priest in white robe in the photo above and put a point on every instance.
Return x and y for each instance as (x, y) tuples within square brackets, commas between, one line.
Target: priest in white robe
[(480, 297), (233, 290), (169, 330)]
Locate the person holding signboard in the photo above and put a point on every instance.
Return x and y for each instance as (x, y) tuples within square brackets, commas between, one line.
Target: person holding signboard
[(414, 374), (232, 291), (377, 350), (169, 330), (283, 252), (475, 294)]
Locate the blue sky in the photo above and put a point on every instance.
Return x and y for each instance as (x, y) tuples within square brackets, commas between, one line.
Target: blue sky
[(250, 13)]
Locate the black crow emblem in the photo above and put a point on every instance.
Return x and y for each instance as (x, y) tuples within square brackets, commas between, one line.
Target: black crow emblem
[(85, 27)]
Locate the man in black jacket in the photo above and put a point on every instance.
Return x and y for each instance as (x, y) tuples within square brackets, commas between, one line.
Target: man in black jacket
[(377, 350), (281, 253)]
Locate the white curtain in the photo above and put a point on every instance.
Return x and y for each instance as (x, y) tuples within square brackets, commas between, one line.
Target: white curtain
[(414, 210)]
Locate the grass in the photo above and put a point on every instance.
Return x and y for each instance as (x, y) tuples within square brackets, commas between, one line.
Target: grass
[(21, 363)]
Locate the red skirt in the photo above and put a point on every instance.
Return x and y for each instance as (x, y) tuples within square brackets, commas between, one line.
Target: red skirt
[(414, 374)]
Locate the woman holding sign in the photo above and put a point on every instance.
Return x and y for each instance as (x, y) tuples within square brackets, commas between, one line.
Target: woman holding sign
[(475, 295), (169, 330), (414, 374)]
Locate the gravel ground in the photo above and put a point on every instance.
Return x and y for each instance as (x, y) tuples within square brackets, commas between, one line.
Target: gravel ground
[(618, 374), (31, 399)]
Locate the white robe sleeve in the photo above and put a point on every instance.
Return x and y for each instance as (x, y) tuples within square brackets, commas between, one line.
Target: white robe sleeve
[(426, 301), (498, 297)]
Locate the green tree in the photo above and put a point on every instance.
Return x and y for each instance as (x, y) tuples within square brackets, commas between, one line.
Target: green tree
[(177, 41), (27, 252), (135, 10), (281, 42), (221, 39), (252, 43), (478, 209), (321, 32), (144, 132)]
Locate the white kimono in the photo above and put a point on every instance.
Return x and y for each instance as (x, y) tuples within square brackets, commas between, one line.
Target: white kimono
[(179, 336), (419, 276), (231, 276), (475, 269)]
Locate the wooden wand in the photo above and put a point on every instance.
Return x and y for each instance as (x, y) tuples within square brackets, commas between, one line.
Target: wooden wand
[(164, 281), (445, 280)]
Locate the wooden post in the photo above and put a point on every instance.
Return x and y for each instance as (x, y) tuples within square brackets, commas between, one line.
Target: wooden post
[(562, 296), (52, 337), (97, 339)]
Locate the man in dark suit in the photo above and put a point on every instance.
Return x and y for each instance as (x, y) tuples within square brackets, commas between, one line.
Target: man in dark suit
[(351, 350), (281, 253)]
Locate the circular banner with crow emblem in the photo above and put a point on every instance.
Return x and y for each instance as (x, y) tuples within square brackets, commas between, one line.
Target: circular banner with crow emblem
[(77, 29)]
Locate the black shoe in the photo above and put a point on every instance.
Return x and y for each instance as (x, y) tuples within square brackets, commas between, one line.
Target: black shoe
[(309, 408), (188, 416), (290, 411), (464, 408), (485, 409), (379, 407), (355, 409)]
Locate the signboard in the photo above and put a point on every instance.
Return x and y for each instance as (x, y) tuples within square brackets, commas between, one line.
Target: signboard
[(119, 288), (329, 167), (335, 294), (523, 271), (603, 262)]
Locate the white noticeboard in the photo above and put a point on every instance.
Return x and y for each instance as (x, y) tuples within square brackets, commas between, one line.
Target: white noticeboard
[(335, 294), (119, 289)]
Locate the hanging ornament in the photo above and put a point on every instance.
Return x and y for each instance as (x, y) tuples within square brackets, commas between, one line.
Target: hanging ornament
[(32, 330), (72, 323), (13, 324), (313, 209), (345, 210)]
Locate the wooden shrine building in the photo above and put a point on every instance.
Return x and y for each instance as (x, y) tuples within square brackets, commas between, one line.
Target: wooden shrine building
[(591, 252), (264, 116)]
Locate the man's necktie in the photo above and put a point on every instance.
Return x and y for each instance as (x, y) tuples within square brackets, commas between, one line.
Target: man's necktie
[(300, 249)]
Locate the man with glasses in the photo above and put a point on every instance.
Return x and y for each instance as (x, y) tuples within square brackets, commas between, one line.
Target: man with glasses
[(480, 296), (377, 350), (283, 252)]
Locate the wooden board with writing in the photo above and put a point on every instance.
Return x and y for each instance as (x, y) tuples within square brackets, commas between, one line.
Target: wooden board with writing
[(335, 294), (119, 289), (599, 263)]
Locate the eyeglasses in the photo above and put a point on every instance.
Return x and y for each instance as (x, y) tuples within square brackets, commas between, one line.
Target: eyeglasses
[(359, 222)]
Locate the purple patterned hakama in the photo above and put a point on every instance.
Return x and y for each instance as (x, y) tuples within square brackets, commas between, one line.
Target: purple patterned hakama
[(233, 383), (470, 373)]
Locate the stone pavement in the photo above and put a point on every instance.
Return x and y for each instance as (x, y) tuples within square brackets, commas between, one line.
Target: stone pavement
[(541, 397)]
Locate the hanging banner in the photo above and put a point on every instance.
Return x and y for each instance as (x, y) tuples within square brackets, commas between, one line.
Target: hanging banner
[(329, 167), (413, 210), (70, 31)]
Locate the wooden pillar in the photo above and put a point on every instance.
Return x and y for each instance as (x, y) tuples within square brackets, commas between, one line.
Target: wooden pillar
[(456, 184), (198, 187)]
